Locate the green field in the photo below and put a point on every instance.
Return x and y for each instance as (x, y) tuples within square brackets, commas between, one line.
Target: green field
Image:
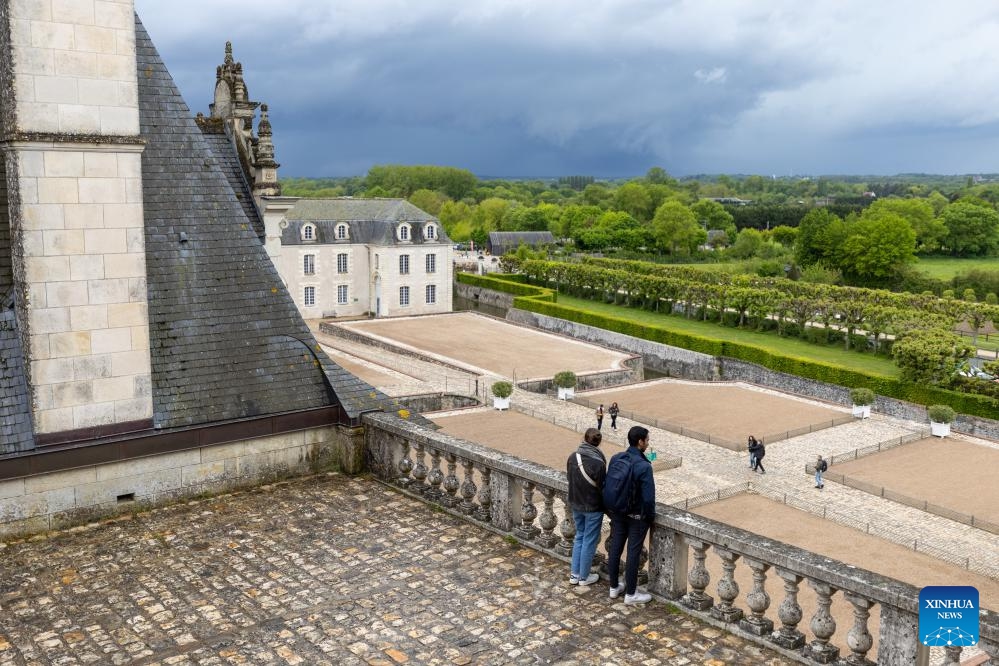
[(945, 268), (867, 363)]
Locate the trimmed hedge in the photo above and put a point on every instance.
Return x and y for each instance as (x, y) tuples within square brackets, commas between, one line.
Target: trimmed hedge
[(975, 405), (508, 284)]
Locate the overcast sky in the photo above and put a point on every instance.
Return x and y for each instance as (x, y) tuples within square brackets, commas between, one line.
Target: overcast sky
[(605, 87)]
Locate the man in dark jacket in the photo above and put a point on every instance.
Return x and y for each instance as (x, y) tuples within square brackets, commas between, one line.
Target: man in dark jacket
[(586, 469), (633, 525)]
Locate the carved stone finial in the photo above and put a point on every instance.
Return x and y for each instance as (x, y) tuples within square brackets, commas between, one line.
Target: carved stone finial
[(228, 53), (264, 128)]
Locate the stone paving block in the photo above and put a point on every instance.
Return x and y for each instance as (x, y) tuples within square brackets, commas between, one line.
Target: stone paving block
[(328, 570)]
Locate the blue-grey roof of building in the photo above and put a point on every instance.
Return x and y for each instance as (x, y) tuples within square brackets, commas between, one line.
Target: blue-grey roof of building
[(15, 402), (224, 150), (226, 340), (373, 221)]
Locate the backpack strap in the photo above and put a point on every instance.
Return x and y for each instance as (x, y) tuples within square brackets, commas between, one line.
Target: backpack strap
[(582, 470)]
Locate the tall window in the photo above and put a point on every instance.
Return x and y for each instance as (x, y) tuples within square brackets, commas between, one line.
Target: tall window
[(403, 233), (431, 294), (404, 296), (431, 263), (341, 262), (308, 232), (403, 264), (341, 232), (310, 296), (430, 231), (309, 264), (341, 294)]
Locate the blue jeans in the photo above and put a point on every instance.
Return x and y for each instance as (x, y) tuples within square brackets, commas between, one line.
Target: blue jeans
[(818, 478), (588, 525), (633, 531)]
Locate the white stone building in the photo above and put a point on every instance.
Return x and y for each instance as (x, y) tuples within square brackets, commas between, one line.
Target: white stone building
[(337, 257)]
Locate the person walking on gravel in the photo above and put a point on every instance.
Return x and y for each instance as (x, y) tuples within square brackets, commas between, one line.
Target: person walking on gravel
[(600, 416), (613, 411), (586, 469), (758, 450), (820, 466)]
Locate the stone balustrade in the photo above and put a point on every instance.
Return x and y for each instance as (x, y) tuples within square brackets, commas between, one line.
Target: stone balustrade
[(503, 493)]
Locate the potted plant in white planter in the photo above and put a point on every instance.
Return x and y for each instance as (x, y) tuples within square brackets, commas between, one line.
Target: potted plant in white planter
[(501, 395), (940, 419), (862, 399), (565, 382)]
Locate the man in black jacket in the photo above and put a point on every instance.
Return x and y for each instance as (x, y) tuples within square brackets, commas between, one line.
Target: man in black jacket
[(632, 525), (586, 469)]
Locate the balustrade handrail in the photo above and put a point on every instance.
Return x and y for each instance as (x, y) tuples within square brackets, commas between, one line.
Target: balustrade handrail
[(841, 576)]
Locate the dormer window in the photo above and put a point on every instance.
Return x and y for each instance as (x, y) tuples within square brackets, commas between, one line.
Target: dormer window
[(309, 232), (341, 232), (430, 232), (404, 232)]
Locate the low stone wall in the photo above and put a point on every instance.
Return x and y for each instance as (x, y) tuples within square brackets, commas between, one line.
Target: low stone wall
[(676, 362), (670, 361), (593, 380), (335, 330), (495, 299), (62, 499), (436, 402)]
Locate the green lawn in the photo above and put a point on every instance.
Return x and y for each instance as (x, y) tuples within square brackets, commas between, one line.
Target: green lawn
[(945, 268), (867, 363)]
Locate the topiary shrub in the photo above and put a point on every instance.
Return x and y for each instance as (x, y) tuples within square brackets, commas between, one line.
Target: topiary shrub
[(941, 413), (565, 379), (502, 389), (862, 396)]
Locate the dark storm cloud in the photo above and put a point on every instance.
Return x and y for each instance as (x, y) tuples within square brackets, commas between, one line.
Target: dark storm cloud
[(611, 88)]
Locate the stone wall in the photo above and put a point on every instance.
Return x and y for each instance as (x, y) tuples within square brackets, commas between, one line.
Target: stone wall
[(671, 361), (437, 402), (62, 499), (676, 362), (331, 328), (496, 299), (593, 380)]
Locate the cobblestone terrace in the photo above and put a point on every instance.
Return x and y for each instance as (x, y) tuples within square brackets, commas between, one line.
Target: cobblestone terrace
[(327, 570)]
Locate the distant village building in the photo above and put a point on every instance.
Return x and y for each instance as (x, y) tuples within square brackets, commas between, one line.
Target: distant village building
[(337, 257), (501, 242)]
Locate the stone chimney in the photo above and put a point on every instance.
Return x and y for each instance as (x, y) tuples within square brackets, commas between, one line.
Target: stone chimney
[(72, 154)]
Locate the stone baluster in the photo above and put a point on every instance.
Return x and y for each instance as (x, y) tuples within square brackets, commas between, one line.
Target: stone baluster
[(451, 483), (420, 470), (991, 649), (568, 529), (758, 601), (728, 589), (698, 578), (548, 520), (952, 655), (484, 512), (405, 466), (435, 478), (789, 613), (859, 638), (823, 625), (468, 488), (528, 512)]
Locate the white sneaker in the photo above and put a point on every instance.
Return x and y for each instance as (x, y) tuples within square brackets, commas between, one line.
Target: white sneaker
[(589, 580), (638, 598), (573, 580), (616, 591)]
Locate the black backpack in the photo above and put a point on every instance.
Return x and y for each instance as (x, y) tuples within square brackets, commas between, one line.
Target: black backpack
[(618, 486), (823, 466)]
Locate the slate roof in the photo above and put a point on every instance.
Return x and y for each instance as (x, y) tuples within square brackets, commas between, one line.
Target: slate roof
[(224, 150), (15, 402), (369, 221), (501, 242), (226, 340)]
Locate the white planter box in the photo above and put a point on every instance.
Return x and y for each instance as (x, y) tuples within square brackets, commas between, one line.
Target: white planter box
[(501, 403), (939, 429), (862, 411), (566, 393)]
